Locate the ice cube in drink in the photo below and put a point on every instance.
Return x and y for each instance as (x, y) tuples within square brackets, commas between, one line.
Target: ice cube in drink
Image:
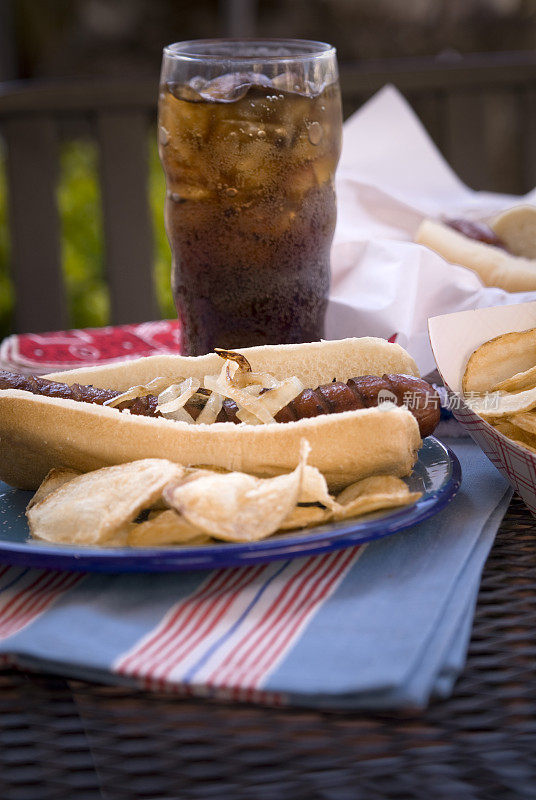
[(250, 206)]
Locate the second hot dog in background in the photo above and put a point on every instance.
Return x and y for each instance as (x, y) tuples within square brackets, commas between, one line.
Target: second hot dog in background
[(502, 253)]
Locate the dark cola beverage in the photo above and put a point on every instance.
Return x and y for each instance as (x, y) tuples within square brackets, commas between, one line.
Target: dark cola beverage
[(250, 206)]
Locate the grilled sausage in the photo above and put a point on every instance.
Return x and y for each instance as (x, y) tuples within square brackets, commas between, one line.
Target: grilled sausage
[(478, 231), (145, 406), (362, 392)]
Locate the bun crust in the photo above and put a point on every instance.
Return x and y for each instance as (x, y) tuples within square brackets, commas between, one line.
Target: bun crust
[(494, 266)]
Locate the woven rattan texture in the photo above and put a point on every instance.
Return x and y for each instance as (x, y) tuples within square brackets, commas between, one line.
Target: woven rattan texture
[(70, 740)]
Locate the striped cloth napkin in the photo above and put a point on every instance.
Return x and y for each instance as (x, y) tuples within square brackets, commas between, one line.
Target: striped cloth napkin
[(381, 626), (384, 625)]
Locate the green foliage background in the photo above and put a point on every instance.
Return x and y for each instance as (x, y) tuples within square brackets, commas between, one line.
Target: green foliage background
[(83, 257)]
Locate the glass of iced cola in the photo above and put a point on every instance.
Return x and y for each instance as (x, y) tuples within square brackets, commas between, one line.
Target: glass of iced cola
[(249, 137)]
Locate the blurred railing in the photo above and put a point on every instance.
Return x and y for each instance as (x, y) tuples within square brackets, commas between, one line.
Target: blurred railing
[(480, 109), (117, 116)]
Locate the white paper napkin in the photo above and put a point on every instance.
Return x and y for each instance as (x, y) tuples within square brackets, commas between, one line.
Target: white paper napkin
[(391, 176)]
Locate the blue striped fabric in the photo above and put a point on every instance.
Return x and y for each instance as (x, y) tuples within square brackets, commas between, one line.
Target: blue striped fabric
[(385, 625)]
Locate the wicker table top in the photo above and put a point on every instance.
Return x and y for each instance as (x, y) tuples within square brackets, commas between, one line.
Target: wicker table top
[(76, 741)]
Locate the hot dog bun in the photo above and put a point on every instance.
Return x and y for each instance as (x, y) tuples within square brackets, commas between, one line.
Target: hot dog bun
[(495, 266), (313, 364), (38, 433), (517, 229)]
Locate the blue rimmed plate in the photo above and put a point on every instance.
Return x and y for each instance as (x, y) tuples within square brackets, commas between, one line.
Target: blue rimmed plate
[(437, 474)]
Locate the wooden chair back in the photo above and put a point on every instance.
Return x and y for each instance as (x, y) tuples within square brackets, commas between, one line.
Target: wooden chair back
[(480, 110), (33, 118)]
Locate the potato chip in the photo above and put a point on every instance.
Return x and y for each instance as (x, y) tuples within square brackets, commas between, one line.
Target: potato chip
[(52, 481), (516, 433), (506, 428), (524, 438), (525, 444), (373, 494), (499, 359), (521, 438), (374, 484), (91, 508), (236, 507), (497, 405), (166, 527), (193, 473), (518, 382), (203, 468), (314, 488), (526, 421), (119, 539), (304, 516), (158, 505)]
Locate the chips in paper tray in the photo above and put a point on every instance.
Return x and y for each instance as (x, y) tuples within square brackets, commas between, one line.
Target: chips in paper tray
[(508, 404), (503, 405), (518, 382), (498, 360), (489, 350), (526, 421)]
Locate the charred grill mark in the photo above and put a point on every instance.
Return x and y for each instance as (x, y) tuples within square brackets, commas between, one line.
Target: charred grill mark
[(334, 397)]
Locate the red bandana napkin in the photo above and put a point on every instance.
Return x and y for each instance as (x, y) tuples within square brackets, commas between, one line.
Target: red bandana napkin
[(49, 352)]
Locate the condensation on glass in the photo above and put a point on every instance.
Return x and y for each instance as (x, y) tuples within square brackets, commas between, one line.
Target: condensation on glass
[(249, 138)]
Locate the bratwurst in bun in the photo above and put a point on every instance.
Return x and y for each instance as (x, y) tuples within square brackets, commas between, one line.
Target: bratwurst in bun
[(224, 409)]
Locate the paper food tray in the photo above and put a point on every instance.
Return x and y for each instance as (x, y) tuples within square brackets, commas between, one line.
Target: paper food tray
[(453, 338)]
